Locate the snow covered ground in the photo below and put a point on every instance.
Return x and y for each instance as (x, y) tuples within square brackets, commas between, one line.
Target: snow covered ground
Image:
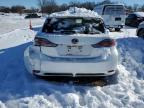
[(19, 89), (10, 22)]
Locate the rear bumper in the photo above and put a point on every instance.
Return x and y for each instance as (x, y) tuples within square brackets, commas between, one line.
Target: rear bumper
[(77, 69), (46, 67)]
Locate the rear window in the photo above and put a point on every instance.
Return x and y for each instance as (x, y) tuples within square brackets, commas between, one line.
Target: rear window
[(112, 10), (73, 25)]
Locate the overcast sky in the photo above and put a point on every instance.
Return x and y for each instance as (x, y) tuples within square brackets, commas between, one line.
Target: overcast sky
[(33, 3)]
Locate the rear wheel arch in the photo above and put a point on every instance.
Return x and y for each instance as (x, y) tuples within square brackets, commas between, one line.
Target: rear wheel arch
[(140, 31)]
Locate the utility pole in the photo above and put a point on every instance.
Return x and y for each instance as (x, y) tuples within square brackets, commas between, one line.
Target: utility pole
[(75, 6)]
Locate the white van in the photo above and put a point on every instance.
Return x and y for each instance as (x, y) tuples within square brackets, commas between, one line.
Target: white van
[(113, 15)]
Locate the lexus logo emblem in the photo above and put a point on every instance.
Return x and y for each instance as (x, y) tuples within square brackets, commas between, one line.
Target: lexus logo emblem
[(74, 41)]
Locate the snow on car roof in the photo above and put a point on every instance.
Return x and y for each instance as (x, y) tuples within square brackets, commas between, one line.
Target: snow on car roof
[(76, 12), (139, 14)]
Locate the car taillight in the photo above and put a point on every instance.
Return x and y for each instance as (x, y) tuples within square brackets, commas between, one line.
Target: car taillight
[(105, 43), (43, 42)]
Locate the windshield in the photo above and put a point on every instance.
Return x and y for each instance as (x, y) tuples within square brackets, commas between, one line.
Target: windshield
[(74, 25), (114, 10)]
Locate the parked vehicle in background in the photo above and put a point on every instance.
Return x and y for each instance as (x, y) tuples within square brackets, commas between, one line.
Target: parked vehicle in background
[(73, 43), (134, 19), (33, 15), (140, 30), (113, 15), (2, 13)]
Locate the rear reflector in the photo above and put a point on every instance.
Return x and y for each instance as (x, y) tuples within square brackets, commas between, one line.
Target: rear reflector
[(44, 42), (104, 43), (110, 71)]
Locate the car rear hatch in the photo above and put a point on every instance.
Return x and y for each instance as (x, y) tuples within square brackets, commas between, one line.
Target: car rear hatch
[(114, 19), (114, 15), (74, 46)]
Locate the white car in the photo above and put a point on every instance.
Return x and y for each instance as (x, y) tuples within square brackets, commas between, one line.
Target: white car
[(113, 15), (72, 45), (140, 30)]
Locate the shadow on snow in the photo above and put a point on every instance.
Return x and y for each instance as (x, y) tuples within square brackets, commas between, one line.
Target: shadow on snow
[(17, 82)]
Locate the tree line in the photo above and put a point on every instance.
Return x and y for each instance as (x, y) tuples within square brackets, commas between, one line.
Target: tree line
[(17, 9), (50, 6)]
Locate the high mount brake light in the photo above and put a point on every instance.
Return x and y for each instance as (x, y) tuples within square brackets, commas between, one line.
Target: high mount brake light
[(43, 42), (105, 43)]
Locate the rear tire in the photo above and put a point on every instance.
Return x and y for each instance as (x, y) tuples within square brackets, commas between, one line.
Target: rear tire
[(141, 33), (117, 29), (112, 79)]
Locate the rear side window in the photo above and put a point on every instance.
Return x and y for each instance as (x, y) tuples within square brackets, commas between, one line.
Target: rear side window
[(74, 25), (132, 16), (114, 10)]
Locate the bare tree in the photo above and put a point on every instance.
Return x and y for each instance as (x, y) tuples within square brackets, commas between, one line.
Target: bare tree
[(5, 9), (63, 7), (41, 4), (135, 7), (17, 9), (142, 8), (48, 6)]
